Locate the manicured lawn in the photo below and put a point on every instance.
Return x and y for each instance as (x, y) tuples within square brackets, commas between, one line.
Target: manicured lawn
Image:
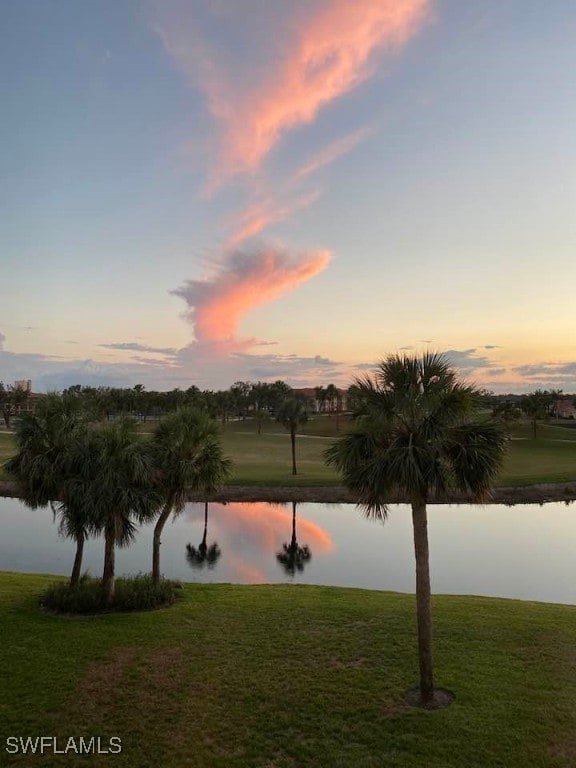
[(539, 461), (264, 460), (290, 677)]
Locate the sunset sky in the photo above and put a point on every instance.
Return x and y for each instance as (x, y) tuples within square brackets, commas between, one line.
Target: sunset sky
[(206, 191)]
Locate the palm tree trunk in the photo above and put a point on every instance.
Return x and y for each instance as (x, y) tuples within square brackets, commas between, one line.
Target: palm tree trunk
[(294, 542), (423, 604), (156, 541), (108, 574), (77, 568), (293, 441)]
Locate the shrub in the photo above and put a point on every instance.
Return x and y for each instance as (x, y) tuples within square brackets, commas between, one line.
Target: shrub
[(133, 593)]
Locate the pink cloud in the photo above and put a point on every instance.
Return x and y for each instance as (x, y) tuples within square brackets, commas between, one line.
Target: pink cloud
[(332, 152), (322, 50), (247, 280), (259, 214)]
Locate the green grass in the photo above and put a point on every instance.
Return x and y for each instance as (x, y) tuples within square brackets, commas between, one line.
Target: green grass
[(265, 460), (539, 461), (290, 677), (7, 449)]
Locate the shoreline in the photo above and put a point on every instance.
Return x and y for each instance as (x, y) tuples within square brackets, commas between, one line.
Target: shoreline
[(525, 494)]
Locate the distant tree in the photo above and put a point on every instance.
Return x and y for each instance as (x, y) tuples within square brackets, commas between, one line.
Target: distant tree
[(335, 402), (292, 414), (537, 406), (11, 398), (321, 394), (354, 397), (260, 417), (258, 399), (224, 405), (506, 412), (240, 397), (278, 392), (331, 397)]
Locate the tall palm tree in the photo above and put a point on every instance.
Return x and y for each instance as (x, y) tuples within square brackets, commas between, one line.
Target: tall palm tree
[(321, 395), (537, 406), (188, 456), (51, 449), (417, 433), (204, 554), (116, 485), (292, 414), (292, 557), (334, 402)]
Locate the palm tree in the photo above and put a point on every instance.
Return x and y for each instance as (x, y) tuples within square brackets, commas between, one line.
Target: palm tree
[(537, 406), (321, 395), (417, 433), (51, 449), (260, 416), (116, 484), (506, 412), (293, 557), (292, 414), (334, 402), (188, 456), (204, 554)]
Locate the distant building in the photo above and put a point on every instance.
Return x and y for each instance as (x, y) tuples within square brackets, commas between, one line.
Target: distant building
[(309, 394), (25, 385), (565, 409)]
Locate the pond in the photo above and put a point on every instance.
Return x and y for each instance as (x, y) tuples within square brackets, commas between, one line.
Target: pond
[(526, 551)]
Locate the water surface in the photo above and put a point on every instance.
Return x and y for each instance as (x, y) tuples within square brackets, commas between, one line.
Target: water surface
[(525, 551)]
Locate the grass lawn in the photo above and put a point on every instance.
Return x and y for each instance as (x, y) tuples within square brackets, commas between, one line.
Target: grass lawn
[(265, 460), (290, 677), (7, 446)]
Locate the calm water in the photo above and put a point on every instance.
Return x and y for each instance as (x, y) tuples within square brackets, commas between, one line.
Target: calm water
[(525, 551)]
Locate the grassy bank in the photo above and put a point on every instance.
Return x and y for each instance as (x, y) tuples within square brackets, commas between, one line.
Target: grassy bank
[(264, 460), (290, 677)]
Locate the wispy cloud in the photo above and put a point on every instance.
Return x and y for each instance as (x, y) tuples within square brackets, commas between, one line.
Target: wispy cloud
[(259, 214), (246, 280), (468, 360), (133, 346), (298, 369), (332, 152), (323, 51), (546, 371)]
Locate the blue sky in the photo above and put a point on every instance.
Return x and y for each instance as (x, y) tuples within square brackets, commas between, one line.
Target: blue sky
[(200, 192)]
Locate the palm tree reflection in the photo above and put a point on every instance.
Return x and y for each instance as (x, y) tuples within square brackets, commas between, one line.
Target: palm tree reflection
[(202, 555), (293, 557)]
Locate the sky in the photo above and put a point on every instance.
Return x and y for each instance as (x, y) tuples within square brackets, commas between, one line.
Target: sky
[(206, 191)]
